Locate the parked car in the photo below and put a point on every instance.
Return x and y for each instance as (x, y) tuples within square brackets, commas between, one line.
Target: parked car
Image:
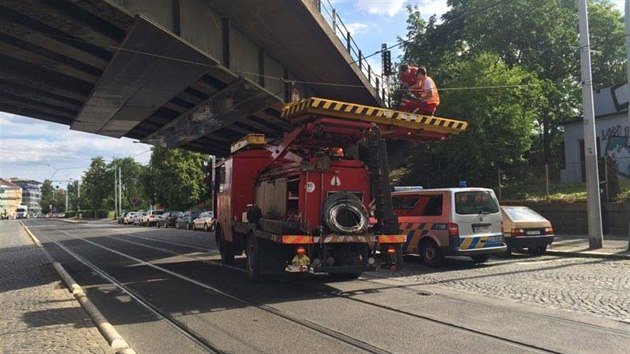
[(204, 221), (128, 219), (525, 228), (121, 217), (150, 217), (450, 222), (168, 218), (186, 220), (137, 219)]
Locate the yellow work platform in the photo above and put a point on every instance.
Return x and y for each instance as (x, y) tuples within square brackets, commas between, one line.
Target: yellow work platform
[(338, 109)]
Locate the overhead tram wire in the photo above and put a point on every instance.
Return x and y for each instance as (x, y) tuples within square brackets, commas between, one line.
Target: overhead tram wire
[(286, 81)]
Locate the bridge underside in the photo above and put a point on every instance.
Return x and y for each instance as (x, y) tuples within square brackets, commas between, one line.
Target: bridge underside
[(105, 69)]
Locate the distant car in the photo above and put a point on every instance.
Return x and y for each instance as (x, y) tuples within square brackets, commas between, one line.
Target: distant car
[(186, 220), (150, 217), (525, 228), (204, 221), (121, 217), (137, 219), (168, 218), (128, 219)]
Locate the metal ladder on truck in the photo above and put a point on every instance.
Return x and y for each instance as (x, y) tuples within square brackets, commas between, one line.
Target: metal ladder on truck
[(384, 124)]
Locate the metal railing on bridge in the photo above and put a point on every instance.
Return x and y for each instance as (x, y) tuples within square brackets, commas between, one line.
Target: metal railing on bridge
[(330, 14)]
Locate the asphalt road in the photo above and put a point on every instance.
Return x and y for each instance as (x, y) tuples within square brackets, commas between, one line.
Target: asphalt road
[(195, 304)]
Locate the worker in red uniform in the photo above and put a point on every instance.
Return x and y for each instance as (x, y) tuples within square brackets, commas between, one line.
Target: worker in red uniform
[(424, 97), (408, 75)]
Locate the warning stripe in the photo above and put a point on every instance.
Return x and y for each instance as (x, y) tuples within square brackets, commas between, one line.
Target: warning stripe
[(297, 239), (315, 105), (343, 239), (392, 238)]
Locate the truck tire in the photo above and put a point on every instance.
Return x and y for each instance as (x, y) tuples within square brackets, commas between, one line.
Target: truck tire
[(225, 248), (344, 213), (430, 253), (253, 259)]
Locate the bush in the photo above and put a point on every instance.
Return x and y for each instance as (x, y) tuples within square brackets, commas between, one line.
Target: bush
[(102, 213)]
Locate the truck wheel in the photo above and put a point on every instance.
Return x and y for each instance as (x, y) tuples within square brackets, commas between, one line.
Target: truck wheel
[(480, 258), (430, 253), (225, 248), (253, 261)]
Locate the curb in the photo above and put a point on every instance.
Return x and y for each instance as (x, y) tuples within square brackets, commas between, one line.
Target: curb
[(115, 340), (587, 255)]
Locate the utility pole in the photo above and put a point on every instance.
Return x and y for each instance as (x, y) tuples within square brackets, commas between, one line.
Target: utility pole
[(79, 198), (627, 11), (119, 190), (593, 204), (115, 194)]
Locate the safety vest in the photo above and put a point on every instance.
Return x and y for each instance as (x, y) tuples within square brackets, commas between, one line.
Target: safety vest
[(436, 97)]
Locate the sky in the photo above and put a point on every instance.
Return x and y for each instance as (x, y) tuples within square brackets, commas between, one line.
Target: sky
[(35, 149)]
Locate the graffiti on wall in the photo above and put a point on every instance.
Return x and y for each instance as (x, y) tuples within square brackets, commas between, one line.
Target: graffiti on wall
[(618, 148)]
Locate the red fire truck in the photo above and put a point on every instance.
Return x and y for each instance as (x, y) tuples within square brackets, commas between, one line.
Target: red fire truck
[(301, 204)]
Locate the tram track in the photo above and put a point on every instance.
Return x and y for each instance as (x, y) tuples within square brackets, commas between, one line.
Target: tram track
[(182, 327), (318, 328)]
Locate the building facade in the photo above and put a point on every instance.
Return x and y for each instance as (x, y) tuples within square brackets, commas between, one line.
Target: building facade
[(31, 195), (10, 198), (612, 126)]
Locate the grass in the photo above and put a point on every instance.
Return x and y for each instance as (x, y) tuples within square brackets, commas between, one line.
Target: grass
[(558, 192)]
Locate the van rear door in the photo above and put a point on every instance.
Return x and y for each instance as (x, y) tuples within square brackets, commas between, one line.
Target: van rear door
[(478, 217)]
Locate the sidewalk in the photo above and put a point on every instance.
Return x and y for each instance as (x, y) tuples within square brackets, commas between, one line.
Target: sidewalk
[(578, 246), (38, 313)]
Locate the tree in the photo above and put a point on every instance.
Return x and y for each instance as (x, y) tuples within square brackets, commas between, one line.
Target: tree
[(47, 199), (538, 37), (95, 186), (607, 43), (133, 195), (500, 121), (175, 177)]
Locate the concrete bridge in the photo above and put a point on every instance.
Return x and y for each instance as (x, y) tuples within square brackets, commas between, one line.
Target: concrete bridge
[(196, 74)]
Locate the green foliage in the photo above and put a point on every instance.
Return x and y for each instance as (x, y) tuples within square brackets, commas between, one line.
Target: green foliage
[(95, 184), (175, 178), (500, 120), (607, 43), (52, 196), (484, 43), (133, 194)]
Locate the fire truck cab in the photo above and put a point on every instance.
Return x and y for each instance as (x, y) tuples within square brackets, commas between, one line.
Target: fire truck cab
[(301, 204)]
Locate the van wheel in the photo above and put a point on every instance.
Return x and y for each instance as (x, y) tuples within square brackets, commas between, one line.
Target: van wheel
[(480, 258), (537, 251), (430, 253)]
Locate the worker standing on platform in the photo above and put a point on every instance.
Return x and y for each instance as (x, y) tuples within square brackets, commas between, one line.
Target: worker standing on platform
[(408, 78), (424, 97)]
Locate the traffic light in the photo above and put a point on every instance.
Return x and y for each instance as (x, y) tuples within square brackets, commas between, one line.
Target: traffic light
[(387, 62)]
